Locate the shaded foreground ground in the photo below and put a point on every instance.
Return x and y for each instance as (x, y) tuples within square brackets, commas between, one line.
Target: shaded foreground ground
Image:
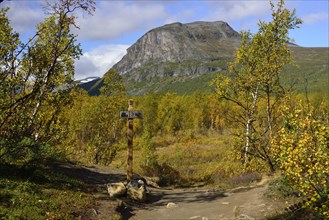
[(243, 203), (96, 179), (188, 203)]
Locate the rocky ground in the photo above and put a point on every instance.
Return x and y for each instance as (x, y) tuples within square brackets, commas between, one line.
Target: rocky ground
[(96, 178), (188, 203), (206, 204)]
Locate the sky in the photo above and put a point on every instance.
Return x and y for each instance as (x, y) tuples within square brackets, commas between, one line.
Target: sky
[(117, 24)]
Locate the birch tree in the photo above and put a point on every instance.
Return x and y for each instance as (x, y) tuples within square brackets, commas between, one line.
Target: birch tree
[(255, 77), (34, 74)]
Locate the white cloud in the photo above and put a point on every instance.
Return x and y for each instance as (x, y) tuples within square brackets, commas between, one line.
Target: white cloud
[(113, 19), (315, 17), (231, 11), (186, 15), (99, 60), (25, 15)]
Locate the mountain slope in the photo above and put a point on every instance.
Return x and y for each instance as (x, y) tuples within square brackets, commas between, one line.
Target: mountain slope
[(91, 85), (179, 50), (184, 58)]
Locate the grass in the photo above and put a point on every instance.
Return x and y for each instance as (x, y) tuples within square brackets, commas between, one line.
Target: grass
[(281, 191), (38, 192), (193, 158)]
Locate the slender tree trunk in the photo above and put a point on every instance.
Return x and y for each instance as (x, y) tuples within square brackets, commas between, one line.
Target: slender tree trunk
[(37, 106), (269, 127), (269, 117), (249, 125), (246, 150)]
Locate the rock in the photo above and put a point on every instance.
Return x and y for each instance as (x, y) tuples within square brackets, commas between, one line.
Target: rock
[(171, 205), (196, 217), (244, 216), (227, 194), (237, 210), (137, 193), (116, 189), (95, 211), (152, 181)]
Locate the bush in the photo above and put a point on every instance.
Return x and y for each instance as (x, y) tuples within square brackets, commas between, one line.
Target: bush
[(245, 178), (168, 175), (301, 149)]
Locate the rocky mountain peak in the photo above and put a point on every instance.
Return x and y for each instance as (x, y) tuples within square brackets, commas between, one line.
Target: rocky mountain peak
[(176, 43)]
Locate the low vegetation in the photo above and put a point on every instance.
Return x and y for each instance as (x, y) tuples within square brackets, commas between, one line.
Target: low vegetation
[(37, 191), (252, 125)]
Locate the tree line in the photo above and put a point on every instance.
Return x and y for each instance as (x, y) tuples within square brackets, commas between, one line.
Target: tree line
[(270, 125)]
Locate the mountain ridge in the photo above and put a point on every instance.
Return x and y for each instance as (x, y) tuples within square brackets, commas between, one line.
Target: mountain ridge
[(184, 58), (155, 52)]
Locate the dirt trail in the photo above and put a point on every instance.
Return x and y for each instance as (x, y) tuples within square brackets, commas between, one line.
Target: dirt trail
[(189, 203), (96, 178), (205, 204)]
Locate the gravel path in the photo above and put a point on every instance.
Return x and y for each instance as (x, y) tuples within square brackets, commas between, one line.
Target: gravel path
[(205, 204), (175, 204)]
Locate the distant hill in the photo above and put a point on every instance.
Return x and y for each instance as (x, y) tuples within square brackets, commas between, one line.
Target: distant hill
[(91, 85), (184, 58), (312, 70)]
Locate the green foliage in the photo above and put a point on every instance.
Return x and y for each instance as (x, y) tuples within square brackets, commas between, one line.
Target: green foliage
[(94, 129), (255, 74), (172, 114), (33, 76), (302, 152), (37, 192), (113, 84), (149, 156)]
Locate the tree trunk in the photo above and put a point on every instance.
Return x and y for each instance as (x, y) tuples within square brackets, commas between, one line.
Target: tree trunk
[(249, 125)]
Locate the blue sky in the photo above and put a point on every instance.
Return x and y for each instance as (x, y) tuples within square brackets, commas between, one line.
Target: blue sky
[(116, 25)]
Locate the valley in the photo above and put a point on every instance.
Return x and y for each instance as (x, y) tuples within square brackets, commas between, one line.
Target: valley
[(227, 124)]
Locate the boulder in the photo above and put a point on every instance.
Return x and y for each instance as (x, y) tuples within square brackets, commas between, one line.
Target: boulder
[(116, 189), (137, 193)]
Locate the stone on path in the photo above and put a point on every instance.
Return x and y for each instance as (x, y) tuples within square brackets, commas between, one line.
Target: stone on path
[(116, 189), (171, 205), (137, 193)]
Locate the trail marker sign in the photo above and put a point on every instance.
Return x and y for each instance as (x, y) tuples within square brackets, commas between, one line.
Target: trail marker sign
[(124, 114), (131, 114)]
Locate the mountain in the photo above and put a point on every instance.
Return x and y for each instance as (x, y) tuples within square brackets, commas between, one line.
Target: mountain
[(184, 58), (178, 50), (87, 80), (91, 85)]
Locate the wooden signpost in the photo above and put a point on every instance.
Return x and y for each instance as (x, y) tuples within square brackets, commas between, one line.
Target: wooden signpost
[(130, 115)]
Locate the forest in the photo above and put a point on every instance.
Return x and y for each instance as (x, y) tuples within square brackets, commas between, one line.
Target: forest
[(247, 125)]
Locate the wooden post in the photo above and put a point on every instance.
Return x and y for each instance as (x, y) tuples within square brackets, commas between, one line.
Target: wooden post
[(130, 115), (130, 135)]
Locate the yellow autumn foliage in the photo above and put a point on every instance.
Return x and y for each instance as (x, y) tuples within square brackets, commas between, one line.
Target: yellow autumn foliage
[(301, 149)]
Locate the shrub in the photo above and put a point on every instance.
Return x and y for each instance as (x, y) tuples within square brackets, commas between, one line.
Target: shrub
[(301, 149)]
